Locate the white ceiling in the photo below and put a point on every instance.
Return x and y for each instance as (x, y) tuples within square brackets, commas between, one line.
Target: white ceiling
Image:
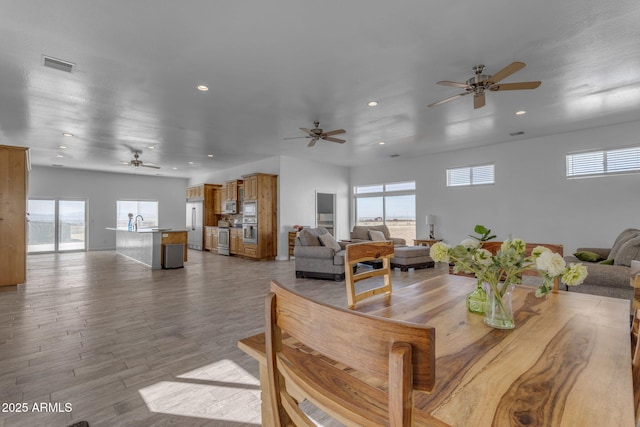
[(275, 66)]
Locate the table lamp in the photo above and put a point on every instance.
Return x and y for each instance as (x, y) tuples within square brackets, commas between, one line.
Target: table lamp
[(431, 221)]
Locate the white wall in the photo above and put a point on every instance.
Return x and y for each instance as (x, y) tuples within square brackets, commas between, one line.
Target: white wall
[(269, 165), (101, 190), (532, 199), (299, 181)]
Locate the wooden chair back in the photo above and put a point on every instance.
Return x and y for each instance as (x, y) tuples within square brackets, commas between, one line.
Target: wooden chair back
[(494, 247), (368, 251), (635, 362), (312, 350)]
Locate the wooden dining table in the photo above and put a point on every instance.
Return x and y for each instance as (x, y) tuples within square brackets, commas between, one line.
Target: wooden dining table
[(566, 363)]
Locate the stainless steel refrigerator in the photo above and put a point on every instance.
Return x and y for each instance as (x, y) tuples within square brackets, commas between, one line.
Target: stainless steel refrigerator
[(195, 225)]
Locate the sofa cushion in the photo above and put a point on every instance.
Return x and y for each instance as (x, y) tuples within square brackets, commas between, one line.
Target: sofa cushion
[(588, 256), (309, 238), (328, 241), (338, 258), (622, 238), (377, 236), (606, 262), (630, 250)]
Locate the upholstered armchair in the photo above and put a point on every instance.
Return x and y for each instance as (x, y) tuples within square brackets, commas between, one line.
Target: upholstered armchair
[(318, 255)]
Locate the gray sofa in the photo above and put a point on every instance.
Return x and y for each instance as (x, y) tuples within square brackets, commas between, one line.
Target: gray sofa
[(611, 280), (313, 259), (360, 233)]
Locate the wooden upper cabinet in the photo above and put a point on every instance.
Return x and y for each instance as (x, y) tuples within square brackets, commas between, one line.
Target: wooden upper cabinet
[(251, 187), (232, 190), (14, 170), (209, 194)]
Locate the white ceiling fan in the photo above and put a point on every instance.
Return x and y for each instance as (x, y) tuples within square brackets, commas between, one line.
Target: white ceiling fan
[(317, 133), (480, 83)]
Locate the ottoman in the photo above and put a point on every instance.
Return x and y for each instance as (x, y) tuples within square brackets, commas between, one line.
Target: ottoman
[(406, 257)]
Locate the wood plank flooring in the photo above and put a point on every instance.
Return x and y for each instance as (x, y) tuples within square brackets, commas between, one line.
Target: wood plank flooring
[(95, 336)]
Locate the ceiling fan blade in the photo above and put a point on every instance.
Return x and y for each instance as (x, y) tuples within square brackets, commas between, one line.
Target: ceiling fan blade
[(329, 138), (312, 142), (506, 72), (478, 100), (515, 86), (454, 84), (451, 98), (150, 166), (298, 137), (334, 132), (306, 130)]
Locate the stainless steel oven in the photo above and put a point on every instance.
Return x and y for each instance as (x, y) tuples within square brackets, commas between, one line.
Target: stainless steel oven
[(223, 241), (249, 230)]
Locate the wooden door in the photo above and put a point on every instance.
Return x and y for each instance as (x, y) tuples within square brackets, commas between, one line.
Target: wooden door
[(13, 214)]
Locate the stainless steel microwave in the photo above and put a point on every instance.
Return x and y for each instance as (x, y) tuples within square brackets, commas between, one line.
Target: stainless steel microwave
[(230, 207)]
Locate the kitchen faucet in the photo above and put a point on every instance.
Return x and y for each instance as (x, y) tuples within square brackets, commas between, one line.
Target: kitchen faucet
[(135, 224)]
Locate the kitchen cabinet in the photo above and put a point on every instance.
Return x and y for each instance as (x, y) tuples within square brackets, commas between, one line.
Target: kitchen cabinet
[(263, 188), (251, 187), (235, 236), (211, 239), (217, 200), (14, 175), (232, 190)]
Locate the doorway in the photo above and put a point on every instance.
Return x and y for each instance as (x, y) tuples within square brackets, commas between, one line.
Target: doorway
[(56, 225), (326, 211)]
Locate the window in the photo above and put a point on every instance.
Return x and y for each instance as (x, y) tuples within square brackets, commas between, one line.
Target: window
[(471, 175), (603, 162), (392, 204), (148, 210)]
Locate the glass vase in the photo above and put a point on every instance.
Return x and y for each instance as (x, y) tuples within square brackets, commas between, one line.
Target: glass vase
[(477, 299), (499, 309)]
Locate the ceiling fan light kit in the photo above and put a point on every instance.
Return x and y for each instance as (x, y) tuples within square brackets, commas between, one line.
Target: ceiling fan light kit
[(480, 83)]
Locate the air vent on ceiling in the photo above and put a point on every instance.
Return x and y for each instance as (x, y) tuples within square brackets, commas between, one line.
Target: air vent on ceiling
[(58, 64), (394, 155), (57, 166), (516, 133)]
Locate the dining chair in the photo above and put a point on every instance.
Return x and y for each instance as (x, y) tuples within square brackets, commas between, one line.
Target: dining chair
[(362, 252), (635, 363), (365, 374)]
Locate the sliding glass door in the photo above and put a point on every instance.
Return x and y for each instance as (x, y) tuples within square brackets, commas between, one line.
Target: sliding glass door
[(56, 225)]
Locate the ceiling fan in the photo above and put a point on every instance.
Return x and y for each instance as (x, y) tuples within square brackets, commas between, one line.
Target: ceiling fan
[(480, 83), (317, 133), (136, 162)]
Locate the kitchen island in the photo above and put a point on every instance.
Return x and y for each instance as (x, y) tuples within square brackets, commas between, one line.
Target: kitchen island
[(147, 245)]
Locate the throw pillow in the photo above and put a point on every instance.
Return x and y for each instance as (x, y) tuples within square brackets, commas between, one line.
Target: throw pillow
[(606, 262), (588, 256), (628, 251), (307, 238), (377, 236), (328, 241), (622, 238)]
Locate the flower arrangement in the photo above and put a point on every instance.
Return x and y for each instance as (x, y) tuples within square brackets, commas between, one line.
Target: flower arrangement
[(506, 266), (504, 269)]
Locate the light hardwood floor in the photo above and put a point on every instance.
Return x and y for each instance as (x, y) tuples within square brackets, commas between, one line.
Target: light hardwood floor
[(126, 346)]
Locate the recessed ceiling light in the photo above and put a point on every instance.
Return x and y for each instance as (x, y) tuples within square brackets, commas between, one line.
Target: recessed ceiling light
[(521, 112), (381, 143), (203, 88), (175, 169), (190, 163), (209, 155), (372, 103), (67, 134), (59, 156), (151, 147), (64, 147), (125, 163)]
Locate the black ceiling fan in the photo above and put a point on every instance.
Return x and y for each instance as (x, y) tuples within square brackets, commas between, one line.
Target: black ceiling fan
[(480, 83), (317, 133)]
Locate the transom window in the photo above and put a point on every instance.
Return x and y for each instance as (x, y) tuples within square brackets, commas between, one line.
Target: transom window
[(603, 162), (471, 175)]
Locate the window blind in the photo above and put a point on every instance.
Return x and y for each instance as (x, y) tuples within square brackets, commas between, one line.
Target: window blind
[(603, 162), (471, 175)]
